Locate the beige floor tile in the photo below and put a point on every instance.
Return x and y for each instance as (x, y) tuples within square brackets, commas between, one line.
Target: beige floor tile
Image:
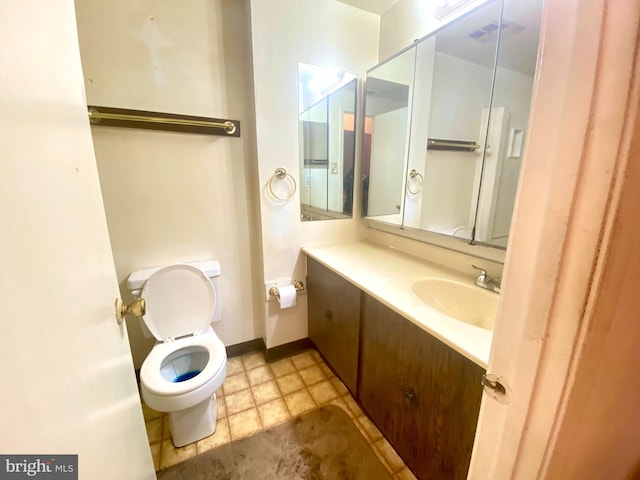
[(259, 375), (393, 459), (221, 436), (149, 413), (154, 429), (244, 423), (316, 355), (327, 371), (282, 367), (303, 360), (251, 381), (290, 383), (312, 375), (239, 401), (171, 455), (235, 383), (372, 431), (406, 474), (222, 408), (265, 392), (339, 386), (235, 365), (156, 448), (323, 392), (382, 459), (339, 402), (353, 406), (273, 412), (299, 402), (253, 360), (361, 428), (166, 429)]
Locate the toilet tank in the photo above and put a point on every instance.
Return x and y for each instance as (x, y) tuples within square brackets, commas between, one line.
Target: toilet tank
[(211, 268)]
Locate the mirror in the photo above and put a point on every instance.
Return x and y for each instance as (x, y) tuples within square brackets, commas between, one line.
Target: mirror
[(455, 170), (387, 115), (513, 86), (327, 108)]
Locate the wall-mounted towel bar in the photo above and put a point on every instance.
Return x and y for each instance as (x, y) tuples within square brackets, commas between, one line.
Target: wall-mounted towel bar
[(122, 117), (456, 145)]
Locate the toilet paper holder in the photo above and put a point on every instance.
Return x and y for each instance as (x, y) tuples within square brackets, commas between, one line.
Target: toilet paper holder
[(274, 292)]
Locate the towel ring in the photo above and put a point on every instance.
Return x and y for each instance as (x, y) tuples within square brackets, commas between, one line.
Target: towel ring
[(281, 174), (417, 178)]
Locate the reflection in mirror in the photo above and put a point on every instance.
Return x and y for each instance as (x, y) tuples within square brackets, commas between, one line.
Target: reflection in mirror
[(455, 73), (327, 142), (516, 65), (441, 176), (387, 111)]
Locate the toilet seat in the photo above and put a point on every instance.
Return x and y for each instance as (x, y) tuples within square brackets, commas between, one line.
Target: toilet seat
[(152, 377), (180, 300)]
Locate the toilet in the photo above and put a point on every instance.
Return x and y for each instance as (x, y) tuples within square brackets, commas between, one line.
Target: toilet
[(188, 362)]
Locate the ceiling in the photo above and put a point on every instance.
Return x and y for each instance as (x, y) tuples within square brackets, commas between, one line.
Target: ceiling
[(374, 6)]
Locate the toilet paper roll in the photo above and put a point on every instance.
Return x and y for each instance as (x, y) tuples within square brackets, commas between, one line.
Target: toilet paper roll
[(287, 297)]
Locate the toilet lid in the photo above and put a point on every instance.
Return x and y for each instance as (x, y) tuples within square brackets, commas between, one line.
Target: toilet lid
[(180, 301)]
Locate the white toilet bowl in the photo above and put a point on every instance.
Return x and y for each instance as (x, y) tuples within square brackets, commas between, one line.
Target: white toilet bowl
[(189, 363)]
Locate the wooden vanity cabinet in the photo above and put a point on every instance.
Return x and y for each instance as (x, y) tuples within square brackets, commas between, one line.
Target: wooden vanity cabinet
[(334, 320), (423, 395)]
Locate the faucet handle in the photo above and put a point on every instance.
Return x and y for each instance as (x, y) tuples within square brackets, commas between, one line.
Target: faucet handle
[(482, 270)]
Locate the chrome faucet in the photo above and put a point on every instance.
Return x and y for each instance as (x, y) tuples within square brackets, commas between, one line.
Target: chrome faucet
[(485, 281)]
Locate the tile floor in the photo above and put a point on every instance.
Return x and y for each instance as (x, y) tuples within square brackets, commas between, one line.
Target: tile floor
[(257, 395)]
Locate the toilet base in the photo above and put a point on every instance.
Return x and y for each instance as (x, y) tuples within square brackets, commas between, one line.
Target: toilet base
[(195, 423)]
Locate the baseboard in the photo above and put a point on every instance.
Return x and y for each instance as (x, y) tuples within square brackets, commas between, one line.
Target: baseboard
[(255, 345), (288, 349)]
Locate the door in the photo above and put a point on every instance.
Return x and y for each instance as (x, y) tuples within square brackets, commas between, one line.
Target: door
[(549, 331), (68, 384)]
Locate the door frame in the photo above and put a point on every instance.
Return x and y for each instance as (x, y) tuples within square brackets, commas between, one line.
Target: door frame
[(584, 111)]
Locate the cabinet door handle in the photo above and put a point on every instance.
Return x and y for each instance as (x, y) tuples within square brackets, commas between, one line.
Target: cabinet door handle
[(328, 315), (410, 394)]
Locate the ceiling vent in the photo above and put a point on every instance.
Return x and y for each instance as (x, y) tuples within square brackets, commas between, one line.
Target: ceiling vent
[(489, 31)]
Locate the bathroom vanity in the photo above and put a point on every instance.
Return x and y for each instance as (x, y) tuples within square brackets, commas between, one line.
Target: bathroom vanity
[(415, 371)]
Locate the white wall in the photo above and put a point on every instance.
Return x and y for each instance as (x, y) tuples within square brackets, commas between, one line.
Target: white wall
[(285, 32), (172, 197)]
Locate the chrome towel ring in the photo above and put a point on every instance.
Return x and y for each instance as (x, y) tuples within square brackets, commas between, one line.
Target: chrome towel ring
[(281, 175), (414, 179)]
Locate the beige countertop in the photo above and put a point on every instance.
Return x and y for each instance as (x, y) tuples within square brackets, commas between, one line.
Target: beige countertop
[(388, 275)]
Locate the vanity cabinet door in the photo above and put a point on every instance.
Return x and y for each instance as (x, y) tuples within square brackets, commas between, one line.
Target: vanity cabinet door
[(334, 320), (424, 396)]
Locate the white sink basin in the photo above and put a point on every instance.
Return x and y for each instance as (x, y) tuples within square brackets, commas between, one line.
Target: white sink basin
[(467, 303)]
